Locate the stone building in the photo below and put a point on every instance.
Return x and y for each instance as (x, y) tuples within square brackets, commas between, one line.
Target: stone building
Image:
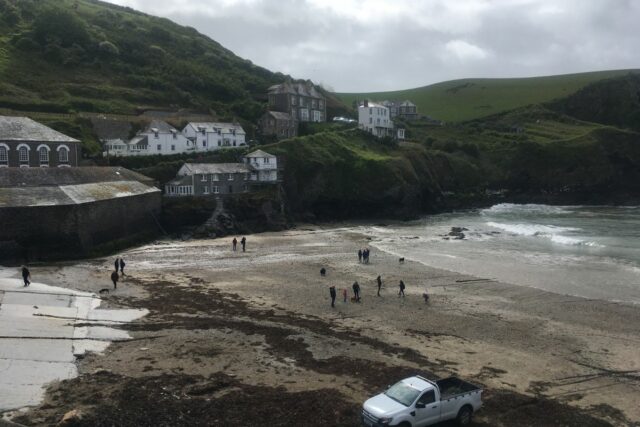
[(301, 100), (215, 179), (49, 213), (278, 124), (403, 109), (205, 179), (25, 143)]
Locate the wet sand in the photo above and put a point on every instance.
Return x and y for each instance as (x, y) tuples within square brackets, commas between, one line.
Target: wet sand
[(229, 329)]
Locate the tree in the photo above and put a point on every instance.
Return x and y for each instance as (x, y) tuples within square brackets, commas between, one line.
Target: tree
[(61, 25)]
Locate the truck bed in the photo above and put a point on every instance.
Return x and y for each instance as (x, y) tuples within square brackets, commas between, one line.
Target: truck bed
[(453, 386)]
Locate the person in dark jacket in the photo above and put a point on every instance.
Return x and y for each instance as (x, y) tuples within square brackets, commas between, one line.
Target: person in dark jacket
[(26, 275), (122, 264), (235, 244), (114, 279), (356, 291), (332, 293), (243, 242), (379, 280), (401, 291), (116, 264), (359, 255), (323, 271), (365, 256)]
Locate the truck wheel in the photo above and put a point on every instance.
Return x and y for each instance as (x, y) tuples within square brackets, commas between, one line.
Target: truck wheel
[(464, 416)]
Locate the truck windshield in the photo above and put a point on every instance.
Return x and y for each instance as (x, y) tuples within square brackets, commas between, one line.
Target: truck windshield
[(402, 393)]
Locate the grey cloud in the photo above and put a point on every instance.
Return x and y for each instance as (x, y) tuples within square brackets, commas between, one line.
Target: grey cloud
[(352, 49)]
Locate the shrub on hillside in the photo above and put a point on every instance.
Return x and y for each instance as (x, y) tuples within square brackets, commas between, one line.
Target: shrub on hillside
[(108, 48), (60, 25)]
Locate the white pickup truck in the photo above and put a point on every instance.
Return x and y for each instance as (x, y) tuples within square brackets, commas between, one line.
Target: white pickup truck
[(417, 402)]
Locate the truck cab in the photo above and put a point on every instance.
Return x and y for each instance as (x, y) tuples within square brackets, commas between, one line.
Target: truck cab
[(418, 402)]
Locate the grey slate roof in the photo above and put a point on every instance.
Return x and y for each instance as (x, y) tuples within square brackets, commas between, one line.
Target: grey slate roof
[(260, 153), (279, 115), (162, 126), (297, 88), (25, 129), (210, 126), (65, 186), (208, 168)]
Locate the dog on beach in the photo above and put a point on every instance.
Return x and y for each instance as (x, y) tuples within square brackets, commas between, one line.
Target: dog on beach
[(104, 291), (401, 260)]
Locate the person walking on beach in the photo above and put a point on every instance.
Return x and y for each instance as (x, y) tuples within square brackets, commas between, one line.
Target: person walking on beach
[(379, 280), (243, 242), (26, 276), (116, 264), (122, 264), (332, 293), (356, 291), (401, 291), (365, 255), (344, 294), (359, 255), (114, 279), (235, 244)]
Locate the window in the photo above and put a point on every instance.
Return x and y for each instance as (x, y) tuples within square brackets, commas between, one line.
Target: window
[(370, 110), (4, 156), (245, 188), (265, 160), (428, 397), (43, 155), (321, 104), (173, 148), (175, 135), (214, 177), (370, 120), (293, 100), (159, 146), (206, 190), (230, 189), (156, 135), (204, 143), (204, 178), (23, 154), (314, 103), (219, 143), (216, 189), (294, 113), (230, 177), (316, 116), (304, 115)]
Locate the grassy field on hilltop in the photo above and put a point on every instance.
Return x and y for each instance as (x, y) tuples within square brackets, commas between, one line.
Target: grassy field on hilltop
[(467, 99)]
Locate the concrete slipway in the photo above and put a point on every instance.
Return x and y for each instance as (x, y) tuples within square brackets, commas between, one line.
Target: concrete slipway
[(41, 336)]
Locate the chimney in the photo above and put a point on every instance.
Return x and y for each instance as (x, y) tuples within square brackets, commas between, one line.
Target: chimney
[(366, 102)]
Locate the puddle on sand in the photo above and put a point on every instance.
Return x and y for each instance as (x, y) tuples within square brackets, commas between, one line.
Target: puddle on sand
[(39, 339)]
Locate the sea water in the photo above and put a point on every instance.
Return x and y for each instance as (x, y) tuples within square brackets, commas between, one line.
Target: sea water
[(587, 251)]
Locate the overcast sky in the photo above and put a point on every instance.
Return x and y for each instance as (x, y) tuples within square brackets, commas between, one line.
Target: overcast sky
[(375, 45)]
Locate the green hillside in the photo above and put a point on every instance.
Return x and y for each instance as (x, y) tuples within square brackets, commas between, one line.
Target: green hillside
[(467, 99), (85, 55)]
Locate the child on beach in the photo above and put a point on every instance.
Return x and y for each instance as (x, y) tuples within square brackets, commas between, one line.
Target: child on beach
[(344, 294)]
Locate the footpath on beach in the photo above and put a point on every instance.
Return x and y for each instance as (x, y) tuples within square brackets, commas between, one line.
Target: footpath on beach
[(43, 330)]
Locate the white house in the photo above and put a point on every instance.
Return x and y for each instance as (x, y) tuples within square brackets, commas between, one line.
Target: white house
[(211, 136), (375, 119), (263, 166), (158, 138)]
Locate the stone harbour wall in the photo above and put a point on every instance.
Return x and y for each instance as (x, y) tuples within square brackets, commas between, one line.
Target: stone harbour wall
[(74, 231)]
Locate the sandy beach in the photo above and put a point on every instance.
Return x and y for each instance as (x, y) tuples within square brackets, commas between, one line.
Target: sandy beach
[(250, 338)]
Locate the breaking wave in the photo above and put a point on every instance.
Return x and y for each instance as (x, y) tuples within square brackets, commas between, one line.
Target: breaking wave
[(551, 232), (533, 209)]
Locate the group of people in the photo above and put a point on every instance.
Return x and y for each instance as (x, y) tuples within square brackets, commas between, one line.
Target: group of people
[(243, 243), (356, 290), (363, 256)]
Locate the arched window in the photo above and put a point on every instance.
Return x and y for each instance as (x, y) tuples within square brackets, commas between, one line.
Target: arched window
[(4, 155), (63, 154), (23, 154), (43, 155)]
